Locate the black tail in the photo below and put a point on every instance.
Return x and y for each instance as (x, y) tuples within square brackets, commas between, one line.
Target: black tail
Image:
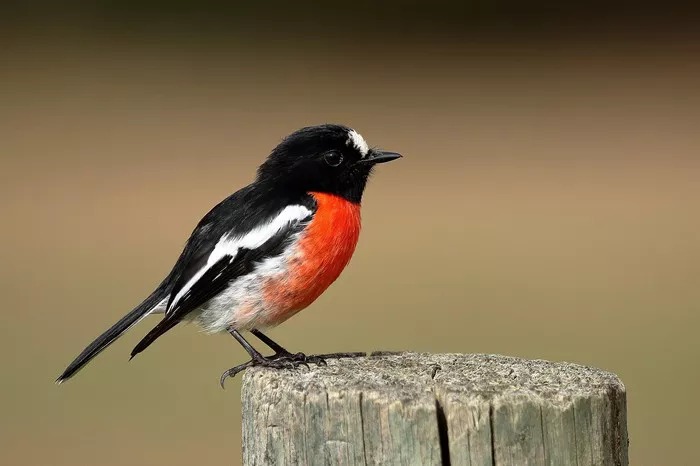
[(162, 327), (114, 332)]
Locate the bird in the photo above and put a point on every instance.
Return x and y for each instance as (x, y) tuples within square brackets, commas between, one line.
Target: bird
[(265, 252)]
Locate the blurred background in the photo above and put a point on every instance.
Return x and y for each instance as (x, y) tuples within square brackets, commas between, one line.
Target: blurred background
[(547, 205)]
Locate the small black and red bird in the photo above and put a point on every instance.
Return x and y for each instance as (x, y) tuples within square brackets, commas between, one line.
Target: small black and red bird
[(268, 250)]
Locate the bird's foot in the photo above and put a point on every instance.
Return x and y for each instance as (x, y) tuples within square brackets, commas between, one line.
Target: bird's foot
[(299, 359), (320, 359), (286, 360), (255, 362), (277, 361)]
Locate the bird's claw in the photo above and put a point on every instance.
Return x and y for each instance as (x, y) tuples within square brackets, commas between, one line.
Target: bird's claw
[(234, 371)]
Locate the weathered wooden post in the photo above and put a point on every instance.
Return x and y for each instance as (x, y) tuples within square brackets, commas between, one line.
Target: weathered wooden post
[(416, 409)]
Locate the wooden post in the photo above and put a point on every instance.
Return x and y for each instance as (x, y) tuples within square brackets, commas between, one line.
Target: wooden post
[(423, 409)]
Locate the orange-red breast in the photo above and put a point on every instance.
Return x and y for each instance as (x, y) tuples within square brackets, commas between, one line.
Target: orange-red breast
[(268, 250)]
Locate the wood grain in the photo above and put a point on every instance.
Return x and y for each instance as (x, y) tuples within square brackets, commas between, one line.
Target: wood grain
[(423, 409)]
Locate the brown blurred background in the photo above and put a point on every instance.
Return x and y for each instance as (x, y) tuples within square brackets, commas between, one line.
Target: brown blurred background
[(547, 205)]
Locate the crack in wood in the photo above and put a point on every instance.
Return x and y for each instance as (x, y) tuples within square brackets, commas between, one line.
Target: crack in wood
[(443, 434)]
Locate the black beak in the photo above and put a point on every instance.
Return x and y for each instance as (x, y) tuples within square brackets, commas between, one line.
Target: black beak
[(380, 156)]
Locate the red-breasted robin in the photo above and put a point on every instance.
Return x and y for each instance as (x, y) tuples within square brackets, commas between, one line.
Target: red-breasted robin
[(268, 250)]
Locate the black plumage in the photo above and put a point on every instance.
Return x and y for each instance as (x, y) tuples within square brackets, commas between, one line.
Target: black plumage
[(218, 277)]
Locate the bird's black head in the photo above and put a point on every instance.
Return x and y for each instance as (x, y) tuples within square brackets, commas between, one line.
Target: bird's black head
[(331, 159)]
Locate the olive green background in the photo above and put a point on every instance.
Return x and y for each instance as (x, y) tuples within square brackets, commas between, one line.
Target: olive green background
[(547, 205)]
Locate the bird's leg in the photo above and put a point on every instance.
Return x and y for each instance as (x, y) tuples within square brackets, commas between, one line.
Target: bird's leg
[(257, 359), (254, 354), (282, 353), (274, 346)]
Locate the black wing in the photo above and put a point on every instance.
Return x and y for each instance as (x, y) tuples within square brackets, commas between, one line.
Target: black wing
[(235, 216), (226, 270)]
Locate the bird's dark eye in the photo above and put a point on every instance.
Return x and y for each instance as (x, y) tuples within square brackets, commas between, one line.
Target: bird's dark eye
[(333, 158)]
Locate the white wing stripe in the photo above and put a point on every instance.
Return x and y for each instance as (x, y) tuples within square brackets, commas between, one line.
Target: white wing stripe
[(251, 240)]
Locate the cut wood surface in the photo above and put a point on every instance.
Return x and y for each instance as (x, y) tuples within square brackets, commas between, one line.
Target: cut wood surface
[(415, 409)]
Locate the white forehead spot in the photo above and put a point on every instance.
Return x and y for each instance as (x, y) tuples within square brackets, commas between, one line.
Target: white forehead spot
[(359, 142)]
